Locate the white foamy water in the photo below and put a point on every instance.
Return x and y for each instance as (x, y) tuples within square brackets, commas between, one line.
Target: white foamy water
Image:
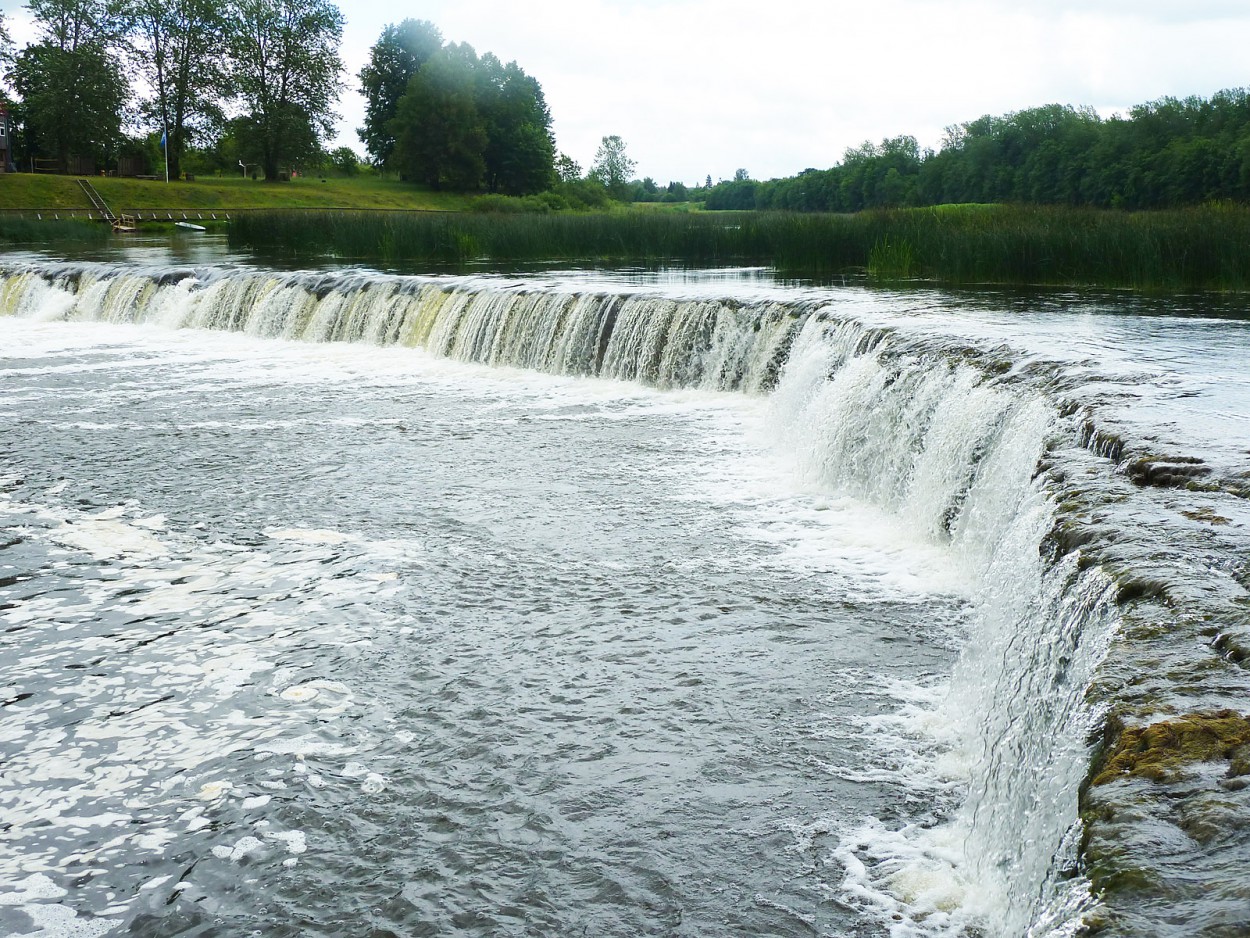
[(703, 612)]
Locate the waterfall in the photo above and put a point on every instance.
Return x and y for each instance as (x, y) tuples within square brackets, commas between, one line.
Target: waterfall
[(666, 343), (956, 455), (934, 432)]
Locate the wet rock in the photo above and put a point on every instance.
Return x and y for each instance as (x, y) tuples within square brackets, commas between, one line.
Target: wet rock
[(1162, 750), (1166, 471)]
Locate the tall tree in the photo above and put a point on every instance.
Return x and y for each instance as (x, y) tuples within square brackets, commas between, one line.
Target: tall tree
[(439, 133), (286, 70), (398, 54), (71, 86), (6, 44), (520, 150), (177, 43), (612, 166)]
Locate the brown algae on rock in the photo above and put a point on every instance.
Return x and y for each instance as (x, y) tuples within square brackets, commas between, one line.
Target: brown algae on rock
[(1158, 751), (1206, 515)]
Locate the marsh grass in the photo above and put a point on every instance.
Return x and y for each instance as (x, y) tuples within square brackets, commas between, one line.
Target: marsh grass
[(1198, 248), (21, 231)]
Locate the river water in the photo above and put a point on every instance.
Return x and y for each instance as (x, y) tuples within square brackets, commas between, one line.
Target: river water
[(344, 602)]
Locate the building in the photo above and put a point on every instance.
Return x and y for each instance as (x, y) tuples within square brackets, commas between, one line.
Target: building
[(6, 141)]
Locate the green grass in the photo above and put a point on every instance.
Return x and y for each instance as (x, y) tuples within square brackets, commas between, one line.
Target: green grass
[(1200, 248), (27, 191)]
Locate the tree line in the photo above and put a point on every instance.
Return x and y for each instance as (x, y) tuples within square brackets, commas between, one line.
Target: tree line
[(266, 71), (1163, 154), (252, 85)]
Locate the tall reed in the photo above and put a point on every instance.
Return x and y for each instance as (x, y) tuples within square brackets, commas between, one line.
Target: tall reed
[(1197, 248), (27, 231)]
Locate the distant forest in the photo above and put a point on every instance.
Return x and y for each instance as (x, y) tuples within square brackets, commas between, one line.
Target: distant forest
[(1164, 154)]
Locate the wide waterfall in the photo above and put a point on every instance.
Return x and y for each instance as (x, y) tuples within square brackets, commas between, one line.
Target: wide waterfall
[(1092, 584)]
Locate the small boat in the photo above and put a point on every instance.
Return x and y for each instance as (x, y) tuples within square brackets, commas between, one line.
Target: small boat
[(189, 226), (126, 223)]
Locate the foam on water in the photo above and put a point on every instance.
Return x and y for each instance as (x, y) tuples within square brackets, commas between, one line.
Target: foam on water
[(146, 735), (887, 463)]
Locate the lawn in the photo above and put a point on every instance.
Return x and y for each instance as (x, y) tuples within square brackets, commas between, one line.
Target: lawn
[(26, 191)]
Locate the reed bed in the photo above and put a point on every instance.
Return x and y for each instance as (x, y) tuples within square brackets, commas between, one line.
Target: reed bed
[(32, 232), (1205, 248)]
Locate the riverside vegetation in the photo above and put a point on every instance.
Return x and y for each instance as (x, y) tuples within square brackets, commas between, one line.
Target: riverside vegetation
[(1201, 248)]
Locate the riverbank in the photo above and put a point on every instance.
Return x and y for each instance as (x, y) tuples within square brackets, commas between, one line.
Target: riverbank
[(1205, 248), (60, 193)]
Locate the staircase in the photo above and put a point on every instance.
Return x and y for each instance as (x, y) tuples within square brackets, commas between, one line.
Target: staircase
[(97, 202)]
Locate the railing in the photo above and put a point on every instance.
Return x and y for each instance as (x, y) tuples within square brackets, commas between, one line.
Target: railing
[(97, 201)]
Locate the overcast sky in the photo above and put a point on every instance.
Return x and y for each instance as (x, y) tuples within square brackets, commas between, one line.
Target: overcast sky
[(703, 87)]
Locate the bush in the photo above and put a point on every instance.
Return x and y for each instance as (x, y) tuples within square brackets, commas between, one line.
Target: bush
[(511, 205)]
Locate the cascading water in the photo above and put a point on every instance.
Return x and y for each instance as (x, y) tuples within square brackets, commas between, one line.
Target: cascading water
[(982, 455)]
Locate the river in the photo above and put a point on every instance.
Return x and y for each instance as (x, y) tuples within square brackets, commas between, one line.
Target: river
[(349, 602)]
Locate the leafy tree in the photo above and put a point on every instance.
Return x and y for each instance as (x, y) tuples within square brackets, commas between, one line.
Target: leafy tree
[(286, 66), (676, 192), (6, 44), (439, 134), (345, 161), (398, 54), (736, 195), (612, 166), (567, 169), (520, 150), (741, 175), (72, 90), (177, 43)]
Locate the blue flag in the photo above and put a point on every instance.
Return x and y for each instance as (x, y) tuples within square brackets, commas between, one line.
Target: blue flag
[(162, 140)]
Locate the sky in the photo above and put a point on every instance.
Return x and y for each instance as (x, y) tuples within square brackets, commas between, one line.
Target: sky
[(705, 87)]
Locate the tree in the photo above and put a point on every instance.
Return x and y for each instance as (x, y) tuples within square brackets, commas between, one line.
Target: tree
[(345, 161), (398, 54), (439, 135), (285, 60), (612, 167), (567, 168), (741, 175), (519, 155), (71, 87), (6, 45), (177, 43), (676, 192)]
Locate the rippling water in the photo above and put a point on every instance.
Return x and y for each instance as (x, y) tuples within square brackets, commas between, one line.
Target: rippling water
[(344, 639), (308, 635)]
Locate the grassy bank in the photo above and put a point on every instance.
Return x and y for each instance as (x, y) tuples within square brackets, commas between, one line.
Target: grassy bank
[(26, 191), (1200, 248)]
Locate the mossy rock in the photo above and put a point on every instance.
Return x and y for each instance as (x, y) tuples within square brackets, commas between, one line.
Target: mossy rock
[(1158, 751)]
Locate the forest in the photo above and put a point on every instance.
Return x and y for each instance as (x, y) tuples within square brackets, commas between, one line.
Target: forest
[(1163, 154)]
